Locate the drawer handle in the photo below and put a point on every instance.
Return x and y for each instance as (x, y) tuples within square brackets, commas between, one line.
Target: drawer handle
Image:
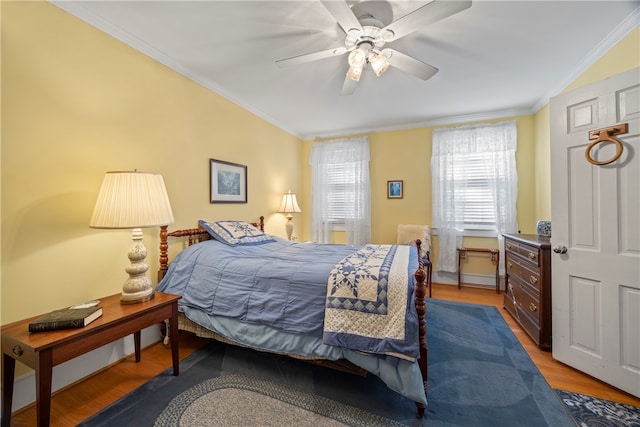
[(510, 286), (533, 307), (533, 280), (508, 246), (17, 351), (509, 265), (532, 255)]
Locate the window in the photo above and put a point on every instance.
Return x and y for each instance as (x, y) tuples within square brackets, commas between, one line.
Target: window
[(342, 180), (340, 194), (474, 185)]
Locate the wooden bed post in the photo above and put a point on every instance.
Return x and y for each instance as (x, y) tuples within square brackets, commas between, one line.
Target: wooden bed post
[(164, 253), (421, 309)]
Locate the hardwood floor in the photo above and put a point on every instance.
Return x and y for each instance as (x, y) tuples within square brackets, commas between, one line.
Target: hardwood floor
[(85, 398)]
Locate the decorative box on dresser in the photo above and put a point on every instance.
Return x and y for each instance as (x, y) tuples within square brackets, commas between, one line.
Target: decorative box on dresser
[(528, 284)]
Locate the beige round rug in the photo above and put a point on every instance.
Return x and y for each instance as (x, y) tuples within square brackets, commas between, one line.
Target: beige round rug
[(241, 400)]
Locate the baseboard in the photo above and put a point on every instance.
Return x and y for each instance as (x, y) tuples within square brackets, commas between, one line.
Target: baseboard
[(477, 280), (74, 370)]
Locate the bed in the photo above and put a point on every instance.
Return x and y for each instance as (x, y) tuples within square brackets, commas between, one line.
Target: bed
[(359, 309)]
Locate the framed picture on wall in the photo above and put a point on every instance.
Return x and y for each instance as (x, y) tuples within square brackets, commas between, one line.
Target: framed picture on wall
[(228, 182), (394, 189)]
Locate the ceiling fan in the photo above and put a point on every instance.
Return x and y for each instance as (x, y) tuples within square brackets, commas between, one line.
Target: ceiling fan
[(368, 28)]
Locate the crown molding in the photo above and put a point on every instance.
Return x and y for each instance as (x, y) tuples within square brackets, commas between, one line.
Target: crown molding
[(625, 27)]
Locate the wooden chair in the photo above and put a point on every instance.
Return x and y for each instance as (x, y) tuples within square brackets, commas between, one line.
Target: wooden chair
[(408, 234)]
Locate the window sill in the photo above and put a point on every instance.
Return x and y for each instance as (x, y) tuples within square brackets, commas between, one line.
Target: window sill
[(472, 233)]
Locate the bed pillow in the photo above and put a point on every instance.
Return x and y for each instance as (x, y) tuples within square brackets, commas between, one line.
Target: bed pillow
[(235, 233)]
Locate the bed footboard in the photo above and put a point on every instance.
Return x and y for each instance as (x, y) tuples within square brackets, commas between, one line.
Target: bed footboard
[(421, 309)]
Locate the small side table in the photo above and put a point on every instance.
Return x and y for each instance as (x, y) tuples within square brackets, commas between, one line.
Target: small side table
[(495, 257), (44, 350)]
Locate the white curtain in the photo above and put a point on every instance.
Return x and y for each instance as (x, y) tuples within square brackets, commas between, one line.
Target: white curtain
[(340, 190), (491, 147)]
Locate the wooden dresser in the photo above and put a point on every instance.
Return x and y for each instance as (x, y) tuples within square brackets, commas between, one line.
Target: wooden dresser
[(528, 284)]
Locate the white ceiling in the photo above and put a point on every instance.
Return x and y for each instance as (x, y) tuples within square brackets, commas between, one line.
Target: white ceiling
[(497, 58)]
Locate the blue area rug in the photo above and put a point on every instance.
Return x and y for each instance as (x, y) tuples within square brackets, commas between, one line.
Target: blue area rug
[(479, 375)]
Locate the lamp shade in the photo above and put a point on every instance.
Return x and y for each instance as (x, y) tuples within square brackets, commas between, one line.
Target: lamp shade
[(289, 203), (132, 200), (379, 64)]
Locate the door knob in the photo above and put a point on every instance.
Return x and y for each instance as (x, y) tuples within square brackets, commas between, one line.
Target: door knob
[(560, 249)]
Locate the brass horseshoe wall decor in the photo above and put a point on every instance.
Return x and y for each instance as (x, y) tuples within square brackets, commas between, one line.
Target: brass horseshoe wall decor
[(606, 135)]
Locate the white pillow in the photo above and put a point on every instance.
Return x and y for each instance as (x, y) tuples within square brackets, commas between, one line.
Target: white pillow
[(408, 233), (235, 233)]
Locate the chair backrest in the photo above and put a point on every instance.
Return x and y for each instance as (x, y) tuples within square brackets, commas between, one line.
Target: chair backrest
[(408, 233)]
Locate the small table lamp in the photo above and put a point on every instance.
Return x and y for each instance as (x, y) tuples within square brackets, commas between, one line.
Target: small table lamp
[(133, 200), (289, 205)]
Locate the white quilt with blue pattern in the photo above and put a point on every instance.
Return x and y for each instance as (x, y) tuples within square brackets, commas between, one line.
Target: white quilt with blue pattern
[(367, 301)]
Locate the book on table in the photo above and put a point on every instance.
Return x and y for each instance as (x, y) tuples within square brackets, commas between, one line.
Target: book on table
[(66, 318)]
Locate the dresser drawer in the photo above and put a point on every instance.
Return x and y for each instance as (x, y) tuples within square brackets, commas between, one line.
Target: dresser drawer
[(530, 325), (529, 303), (516, 267), (528, 252)]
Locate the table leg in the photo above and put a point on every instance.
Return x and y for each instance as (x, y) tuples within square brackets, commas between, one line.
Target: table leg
[(461, 255), (136, 344), (498, 272), (173, 334), (44, 372), (8, 373)]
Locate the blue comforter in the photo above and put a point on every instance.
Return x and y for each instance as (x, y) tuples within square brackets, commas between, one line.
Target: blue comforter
[(279, 284), (249, 293)]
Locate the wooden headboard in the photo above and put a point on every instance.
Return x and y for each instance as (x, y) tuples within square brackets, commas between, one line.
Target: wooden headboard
[(193, 235)]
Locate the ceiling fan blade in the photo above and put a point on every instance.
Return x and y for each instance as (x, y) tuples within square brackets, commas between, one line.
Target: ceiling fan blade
[(409, 65), (349, 86), (343, 14), (310, 57), (427, 14)]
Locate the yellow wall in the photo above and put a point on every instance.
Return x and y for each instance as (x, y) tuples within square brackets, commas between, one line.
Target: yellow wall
[(77, 103), (542, 139)]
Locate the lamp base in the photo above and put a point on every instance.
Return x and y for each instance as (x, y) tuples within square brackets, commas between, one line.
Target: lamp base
[(137, 288), (134, 299), (289, 226)]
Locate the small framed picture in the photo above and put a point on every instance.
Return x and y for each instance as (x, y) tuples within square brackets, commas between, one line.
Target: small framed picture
[(394, 189), (228, 182)]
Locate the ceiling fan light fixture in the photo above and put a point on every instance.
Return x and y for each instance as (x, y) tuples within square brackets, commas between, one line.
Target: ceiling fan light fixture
[(357, 57), (355, 72), (379, 64)]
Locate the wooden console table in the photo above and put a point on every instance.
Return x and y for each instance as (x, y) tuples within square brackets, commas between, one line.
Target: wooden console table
[(495, 257), (44, 350)]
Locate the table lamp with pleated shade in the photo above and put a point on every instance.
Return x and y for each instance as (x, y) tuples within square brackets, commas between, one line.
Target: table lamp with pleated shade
[(289, 205), (133, 200)]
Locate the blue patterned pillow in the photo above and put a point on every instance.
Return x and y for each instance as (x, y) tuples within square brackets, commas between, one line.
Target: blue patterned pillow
[(235, 233)]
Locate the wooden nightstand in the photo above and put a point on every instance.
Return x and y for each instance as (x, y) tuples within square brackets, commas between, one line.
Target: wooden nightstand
[(44, 350)]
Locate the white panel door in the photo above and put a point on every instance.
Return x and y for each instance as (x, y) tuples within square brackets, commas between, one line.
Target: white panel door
[(595, 213)]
